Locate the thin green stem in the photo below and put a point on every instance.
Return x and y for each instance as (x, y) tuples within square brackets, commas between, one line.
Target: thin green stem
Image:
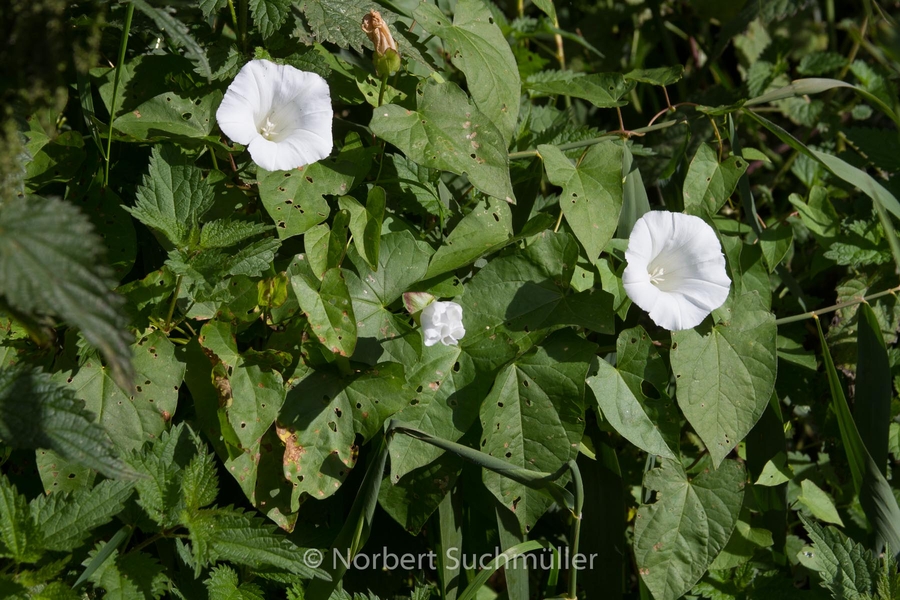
[(123, 45), (829, 309), (174, 301), (576, 527), (215, 161), (584, 143), (234, 20), (243, 26), (558, 222)]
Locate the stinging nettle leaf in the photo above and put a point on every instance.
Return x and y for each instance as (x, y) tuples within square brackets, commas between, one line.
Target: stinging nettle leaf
[(51, 263), (173, 196), (179, 33), (36, 412), (269, 15)]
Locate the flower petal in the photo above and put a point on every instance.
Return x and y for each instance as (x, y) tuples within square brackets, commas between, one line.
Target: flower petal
[(246, 101), (676, 269)]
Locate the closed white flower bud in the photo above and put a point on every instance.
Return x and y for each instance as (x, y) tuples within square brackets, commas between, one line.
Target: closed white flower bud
[(442, 322)]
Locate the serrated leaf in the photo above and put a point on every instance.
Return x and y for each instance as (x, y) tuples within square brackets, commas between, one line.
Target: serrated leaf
[(651, 424), (821, 63), (36, 412), (132, 418), (162, 464), (66, 520), (133, 576), (295, 199), (237, 536), (179, 33), (449, 133), (328, 308), (709, 183), (338, 21), (591, 199), (478, 48), (533, 418), (725, 376), (200, 481), (50, 263), (173, 196), (486, 229), (223, 585), (324, 414), (269, 15), (208, 7), (677, 537), (224, 233), (603, 90), (20, 539), (847, 569)]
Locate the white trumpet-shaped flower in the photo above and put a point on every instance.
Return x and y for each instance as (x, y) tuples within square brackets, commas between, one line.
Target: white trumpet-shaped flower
[(283, 115), (442, 322), (676, 270)]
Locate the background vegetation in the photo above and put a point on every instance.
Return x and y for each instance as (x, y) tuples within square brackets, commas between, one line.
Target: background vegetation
[(210, 372)]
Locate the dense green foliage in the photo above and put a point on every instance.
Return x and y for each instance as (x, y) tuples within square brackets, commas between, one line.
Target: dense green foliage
[(213, 379)]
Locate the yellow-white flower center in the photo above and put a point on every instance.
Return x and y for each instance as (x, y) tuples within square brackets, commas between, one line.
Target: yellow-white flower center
[(656, 276), (268, 130)]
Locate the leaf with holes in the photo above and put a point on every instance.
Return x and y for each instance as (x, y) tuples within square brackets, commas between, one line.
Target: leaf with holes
[(326, 306), (486, 229), (296, 199), (448, 395), (649, 422), (478, 48), (725, 376), (132, 419), (447, 132), (534, 418), (322, 417), (709, 183), (591, 198), (678, 536)]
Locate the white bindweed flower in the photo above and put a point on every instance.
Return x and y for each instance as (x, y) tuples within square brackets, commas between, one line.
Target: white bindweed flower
[(442, 322), (676, 270), (283, 115)]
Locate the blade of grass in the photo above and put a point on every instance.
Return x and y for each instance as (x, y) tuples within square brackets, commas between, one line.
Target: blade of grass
[(356, 529), (536, 480), (500, 560), (451, 537), (129, 13), (874, 491), (872, 405), (101, 557)]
